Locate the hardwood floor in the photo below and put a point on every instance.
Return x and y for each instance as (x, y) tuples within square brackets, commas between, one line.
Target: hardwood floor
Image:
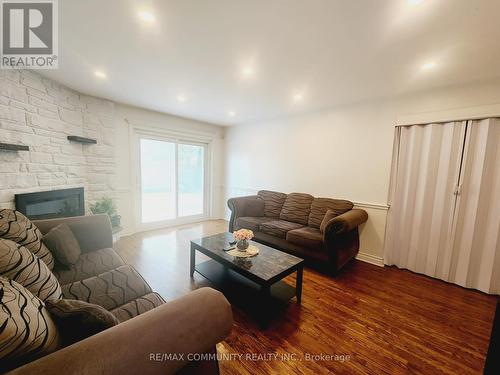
[(376, 320)]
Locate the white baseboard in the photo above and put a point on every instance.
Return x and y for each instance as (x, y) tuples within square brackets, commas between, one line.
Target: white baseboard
[(127, 233), (372, 259), (364, 257)]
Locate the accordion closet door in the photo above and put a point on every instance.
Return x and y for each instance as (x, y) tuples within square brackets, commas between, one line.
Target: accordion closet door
[(476, 241), (444, 202)]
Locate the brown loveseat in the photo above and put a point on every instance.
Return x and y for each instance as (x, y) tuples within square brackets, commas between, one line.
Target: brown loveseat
[(294, 223), (150, 329)]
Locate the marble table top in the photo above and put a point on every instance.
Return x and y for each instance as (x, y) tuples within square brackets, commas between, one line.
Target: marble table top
[(268, 264)]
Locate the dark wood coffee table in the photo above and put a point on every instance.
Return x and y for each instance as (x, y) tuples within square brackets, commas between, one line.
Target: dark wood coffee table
[(259, 276)]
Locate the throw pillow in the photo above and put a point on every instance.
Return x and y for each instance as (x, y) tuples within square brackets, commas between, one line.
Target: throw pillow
[(18, 228), (329, 215), (63, 244), (27, 330), (21, 265), (76, 320)]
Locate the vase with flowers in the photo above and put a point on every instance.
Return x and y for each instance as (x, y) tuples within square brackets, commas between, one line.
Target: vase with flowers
[(242, 237)]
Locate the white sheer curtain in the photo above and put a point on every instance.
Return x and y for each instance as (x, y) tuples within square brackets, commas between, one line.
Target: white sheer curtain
[(444, 201)]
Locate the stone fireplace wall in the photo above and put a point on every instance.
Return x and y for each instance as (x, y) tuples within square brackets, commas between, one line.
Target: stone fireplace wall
[(41, 113)]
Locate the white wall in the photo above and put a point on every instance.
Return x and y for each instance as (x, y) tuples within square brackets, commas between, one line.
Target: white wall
[(340, 153), (40, 113), (127, 118), (343, 152)]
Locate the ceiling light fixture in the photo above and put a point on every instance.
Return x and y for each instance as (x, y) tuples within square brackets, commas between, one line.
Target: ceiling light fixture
[(181, 98), (100, 74), (297, 97), (247, 71), (428, 65), (415, 2), (231, 113), (146, 16)]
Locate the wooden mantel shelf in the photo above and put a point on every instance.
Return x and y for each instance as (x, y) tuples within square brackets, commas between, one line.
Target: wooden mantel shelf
[(13, 147), (75, 138)]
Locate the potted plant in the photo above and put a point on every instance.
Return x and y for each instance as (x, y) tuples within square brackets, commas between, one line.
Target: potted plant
[(107, 206)]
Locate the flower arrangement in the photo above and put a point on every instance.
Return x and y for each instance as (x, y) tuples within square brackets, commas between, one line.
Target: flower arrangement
[(243, 234)]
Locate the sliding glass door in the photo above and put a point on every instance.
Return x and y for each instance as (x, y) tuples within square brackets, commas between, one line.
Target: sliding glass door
[(158, 186), (191, 166), (172, 180)]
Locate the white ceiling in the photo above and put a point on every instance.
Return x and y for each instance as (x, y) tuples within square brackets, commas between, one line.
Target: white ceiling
[(332, 52)]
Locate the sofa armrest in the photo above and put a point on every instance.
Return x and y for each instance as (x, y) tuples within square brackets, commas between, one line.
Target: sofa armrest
[(92, 232), (346, 222), (190, 325), (251, 205)]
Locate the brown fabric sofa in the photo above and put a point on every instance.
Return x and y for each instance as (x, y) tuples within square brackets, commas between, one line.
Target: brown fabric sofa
[(294, 223), (147, 326)]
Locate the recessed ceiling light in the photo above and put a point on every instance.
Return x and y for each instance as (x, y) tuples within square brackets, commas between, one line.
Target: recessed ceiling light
[(428, 65), (231, 113), (146, 16), (181, 98), (247, 71), (297, 97), (415, 2), (100, 74)]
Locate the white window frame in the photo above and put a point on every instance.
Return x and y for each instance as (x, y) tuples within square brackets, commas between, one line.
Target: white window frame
[(190, 138)]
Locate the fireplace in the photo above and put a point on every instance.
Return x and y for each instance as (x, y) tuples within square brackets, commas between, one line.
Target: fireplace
[(52, 204)]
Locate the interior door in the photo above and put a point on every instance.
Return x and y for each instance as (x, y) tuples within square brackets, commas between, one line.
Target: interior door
[(476, 240), (422, 202), (444, 215)]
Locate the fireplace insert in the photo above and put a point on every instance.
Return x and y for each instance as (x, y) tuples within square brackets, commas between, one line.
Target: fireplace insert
[(52, 204)]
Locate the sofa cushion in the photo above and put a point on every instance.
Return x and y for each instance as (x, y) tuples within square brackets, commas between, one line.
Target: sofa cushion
[(89, 264), (138, 306), (16, 227), (296, 208), (273, 202), (308, 237), (278, 228), (109, 289), (319, 207), (255, 207), (21, 265), (27, 330), (77, 320), (252, 223), (63, 244)]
